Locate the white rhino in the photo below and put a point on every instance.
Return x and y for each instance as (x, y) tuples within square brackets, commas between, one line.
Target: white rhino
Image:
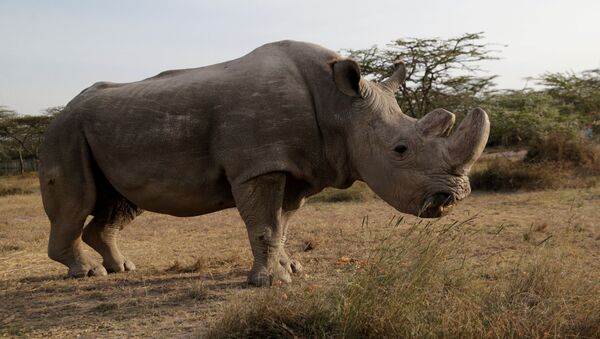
[(260, 133)]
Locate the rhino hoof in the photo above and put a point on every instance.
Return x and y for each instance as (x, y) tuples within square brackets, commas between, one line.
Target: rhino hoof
[(260, 279), (290, 265), (295, 266), (125, 266), (85, 271)]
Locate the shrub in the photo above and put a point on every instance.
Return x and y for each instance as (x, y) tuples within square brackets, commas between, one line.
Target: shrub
[(506, 175), (520, 117), (566, 149), (359, 192)]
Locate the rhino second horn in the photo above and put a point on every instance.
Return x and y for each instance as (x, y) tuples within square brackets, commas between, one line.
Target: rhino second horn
[(466, 144), (397, 78)]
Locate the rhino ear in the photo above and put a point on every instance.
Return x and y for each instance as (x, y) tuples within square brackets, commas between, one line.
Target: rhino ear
[(437, 123), (346, 75)]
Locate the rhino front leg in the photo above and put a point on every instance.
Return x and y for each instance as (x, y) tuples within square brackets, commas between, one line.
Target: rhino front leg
[(260, 203)]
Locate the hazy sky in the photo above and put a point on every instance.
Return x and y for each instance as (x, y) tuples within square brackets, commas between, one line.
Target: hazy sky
[(51, 50)]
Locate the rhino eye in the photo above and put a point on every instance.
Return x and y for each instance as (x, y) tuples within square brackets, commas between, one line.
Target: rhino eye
[(400, 149)]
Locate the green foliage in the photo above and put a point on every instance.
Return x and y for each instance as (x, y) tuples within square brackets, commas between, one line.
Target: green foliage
[(441, 72), (21, 135), (521, 117), (566, 103), (574, 93)]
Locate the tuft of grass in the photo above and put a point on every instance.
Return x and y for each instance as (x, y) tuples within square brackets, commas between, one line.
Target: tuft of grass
[(198, 266), (196, 291), (175, 267), (6, 248), (420, 283), (105, 307)]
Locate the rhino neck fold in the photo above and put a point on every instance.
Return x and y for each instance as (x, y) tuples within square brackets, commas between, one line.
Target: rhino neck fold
[(333, 117), (335, 151)]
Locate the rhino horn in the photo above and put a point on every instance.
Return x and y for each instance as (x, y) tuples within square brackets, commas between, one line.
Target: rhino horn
[(466, 144), (397, 78)]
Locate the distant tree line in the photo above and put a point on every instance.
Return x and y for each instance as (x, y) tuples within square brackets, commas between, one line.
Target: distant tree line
[(441, 73), (21, 135)]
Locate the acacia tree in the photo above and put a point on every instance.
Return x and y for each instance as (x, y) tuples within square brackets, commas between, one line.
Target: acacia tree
[(576, 93), (440, 72), (21, 135), (5, 142), (53, 111)]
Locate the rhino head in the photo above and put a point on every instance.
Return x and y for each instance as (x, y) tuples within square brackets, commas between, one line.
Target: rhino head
[(417, 166)]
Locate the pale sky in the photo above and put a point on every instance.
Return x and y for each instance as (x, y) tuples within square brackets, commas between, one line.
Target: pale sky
[(51, 50)]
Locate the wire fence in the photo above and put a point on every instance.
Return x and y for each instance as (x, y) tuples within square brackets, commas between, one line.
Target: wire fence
[(11, 167)]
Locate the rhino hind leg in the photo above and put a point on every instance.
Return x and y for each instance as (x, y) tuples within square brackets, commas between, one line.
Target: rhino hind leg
[(65, 246), (69, 194), (111, 214), (261, 202)]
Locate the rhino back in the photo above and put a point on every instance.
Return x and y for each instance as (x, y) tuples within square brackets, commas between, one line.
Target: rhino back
[(173, 143)]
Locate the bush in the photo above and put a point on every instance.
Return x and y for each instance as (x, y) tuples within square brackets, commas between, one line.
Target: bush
[(568, 150), (359, 192), (521, 117), (506, 175)]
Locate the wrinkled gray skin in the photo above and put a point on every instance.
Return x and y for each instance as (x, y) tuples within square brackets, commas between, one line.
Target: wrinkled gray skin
[(261, 133)]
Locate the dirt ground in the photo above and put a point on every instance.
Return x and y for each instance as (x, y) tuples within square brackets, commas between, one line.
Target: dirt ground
[(190, 269)]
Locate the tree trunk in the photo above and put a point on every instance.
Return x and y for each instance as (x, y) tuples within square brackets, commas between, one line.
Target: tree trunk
[(21, 163)]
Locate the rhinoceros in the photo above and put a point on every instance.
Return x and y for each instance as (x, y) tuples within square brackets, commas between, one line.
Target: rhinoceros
[(259, 133)]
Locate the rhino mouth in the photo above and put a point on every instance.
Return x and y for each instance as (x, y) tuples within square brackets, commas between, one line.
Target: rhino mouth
[(437, 205)]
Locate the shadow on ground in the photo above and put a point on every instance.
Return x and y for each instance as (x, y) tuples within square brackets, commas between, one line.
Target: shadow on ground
[(47, 302)]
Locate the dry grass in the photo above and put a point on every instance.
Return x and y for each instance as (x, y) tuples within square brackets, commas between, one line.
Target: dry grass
[(421, 282), (526, 265), (17, 184)]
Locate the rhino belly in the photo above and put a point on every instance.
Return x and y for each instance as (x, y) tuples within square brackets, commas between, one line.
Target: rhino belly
[(178, 189), (160, 167)]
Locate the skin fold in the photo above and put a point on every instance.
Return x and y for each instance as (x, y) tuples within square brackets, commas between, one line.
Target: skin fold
[(259, 133)]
